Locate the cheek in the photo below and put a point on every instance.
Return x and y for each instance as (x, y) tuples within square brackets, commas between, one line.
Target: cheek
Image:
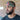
[(10, 9)]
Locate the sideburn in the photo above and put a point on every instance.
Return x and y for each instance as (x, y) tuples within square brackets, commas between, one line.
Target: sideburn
[(13, 9)]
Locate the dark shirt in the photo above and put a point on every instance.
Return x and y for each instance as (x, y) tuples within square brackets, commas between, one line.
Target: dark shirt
[(17, 17)]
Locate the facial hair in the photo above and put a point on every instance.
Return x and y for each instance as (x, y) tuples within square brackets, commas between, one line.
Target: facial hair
[(10, 12)]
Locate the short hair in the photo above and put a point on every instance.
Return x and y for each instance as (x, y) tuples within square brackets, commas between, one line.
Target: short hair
[(12, 3)]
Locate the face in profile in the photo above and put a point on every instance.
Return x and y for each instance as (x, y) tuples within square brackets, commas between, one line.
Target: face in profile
[(9, 9)]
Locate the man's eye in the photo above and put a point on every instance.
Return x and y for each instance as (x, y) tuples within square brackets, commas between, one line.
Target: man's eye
[(8, 6)]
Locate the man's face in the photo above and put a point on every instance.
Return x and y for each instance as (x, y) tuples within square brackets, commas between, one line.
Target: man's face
[(9, 9)]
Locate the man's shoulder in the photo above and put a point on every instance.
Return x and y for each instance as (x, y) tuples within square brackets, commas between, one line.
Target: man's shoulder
[(17, 16), (4, 18)]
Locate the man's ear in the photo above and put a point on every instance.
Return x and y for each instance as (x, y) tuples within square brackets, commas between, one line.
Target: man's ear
[(14, 9)]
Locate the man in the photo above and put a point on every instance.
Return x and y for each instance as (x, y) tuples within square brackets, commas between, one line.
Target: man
[(10, 11)]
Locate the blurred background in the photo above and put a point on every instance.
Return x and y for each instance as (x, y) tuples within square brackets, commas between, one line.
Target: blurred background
[(3, 7)]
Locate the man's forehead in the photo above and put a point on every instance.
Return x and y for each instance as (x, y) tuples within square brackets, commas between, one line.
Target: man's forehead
[(10, 3)]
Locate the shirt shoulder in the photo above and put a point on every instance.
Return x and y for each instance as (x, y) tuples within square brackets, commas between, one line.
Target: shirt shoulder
[(17, 17), (4, 18)]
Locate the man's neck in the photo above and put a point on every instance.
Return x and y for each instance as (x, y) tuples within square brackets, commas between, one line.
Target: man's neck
[(12, 15)]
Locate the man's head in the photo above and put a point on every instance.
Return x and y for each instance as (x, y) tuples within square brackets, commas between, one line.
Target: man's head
[(10, 7)]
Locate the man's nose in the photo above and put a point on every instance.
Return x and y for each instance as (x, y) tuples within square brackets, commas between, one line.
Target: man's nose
[(7, 8)]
